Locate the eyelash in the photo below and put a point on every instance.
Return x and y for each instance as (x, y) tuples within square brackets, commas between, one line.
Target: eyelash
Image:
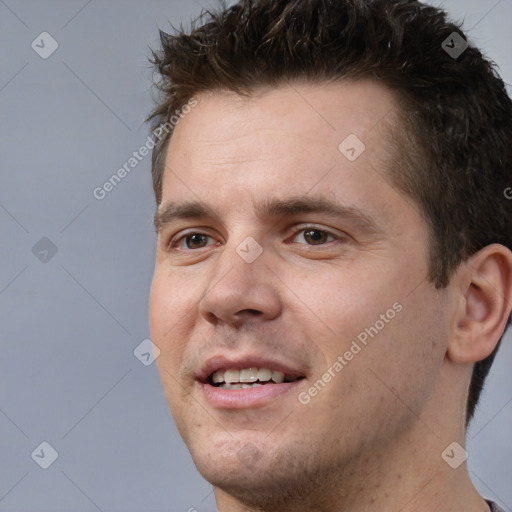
[(174, 243)]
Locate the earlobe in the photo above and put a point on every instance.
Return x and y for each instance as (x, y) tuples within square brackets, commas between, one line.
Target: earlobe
[(485, 284)]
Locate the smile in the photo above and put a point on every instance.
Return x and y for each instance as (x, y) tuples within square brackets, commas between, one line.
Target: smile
[(248, 378)]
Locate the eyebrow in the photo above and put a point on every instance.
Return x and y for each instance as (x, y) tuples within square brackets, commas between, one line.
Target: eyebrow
[(271, 208)]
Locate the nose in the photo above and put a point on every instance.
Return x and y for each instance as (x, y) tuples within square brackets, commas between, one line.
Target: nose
[(239, 291)]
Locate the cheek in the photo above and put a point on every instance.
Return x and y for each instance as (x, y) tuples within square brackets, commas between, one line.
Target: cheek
[(171, 302), (178, 402), (341, 302), (389, 339), (171, 316), (403, 361)]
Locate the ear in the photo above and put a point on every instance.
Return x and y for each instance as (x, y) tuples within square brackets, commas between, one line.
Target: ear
[(484, 285)]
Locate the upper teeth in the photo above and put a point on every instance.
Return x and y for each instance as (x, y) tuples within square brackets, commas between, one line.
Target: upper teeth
[(247, 375)]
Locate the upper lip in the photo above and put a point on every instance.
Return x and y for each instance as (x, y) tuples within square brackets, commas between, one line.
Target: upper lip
[(220, 362)]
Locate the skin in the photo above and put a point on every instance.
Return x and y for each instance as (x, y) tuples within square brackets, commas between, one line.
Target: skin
[(372, 438)]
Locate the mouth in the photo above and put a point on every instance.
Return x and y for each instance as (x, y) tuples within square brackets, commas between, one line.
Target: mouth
[(248, 378), (246, 383)]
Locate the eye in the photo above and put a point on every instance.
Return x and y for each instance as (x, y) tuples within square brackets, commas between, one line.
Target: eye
[(311, 235), (314, 236), (190, 241)]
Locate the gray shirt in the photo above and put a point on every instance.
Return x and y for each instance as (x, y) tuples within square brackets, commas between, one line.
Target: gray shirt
[(494, 507)]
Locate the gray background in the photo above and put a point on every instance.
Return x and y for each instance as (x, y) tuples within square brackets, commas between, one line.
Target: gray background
[(69, 325)]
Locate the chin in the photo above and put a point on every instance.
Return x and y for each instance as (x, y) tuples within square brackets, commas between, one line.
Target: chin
[(274, 480), (230, 459), (256, 486)]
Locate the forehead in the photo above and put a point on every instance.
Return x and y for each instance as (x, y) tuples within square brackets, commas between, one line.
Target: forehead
[(279, 119), (232, 150)]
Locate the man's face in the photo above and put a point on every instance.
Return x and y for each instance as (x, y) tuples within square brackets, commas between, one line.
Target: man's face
[(292, 289)]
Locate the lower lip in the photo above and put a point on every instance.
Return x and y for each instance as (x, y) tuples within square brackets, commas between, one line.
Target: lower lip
[(244, 398)]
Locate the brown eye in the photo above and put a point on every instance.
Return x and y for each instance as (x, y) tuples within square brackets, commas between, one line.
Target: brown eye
[(190, 241), (316, 236), (195, 241), (313, 236)]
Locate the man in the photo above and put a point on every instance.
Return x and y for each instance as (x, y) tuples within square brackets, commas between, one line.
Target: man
[(333, 272)]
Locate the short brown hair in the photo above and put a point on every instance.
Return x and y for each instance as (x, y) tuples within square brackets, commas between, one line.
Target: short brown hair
[(455, 114)]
